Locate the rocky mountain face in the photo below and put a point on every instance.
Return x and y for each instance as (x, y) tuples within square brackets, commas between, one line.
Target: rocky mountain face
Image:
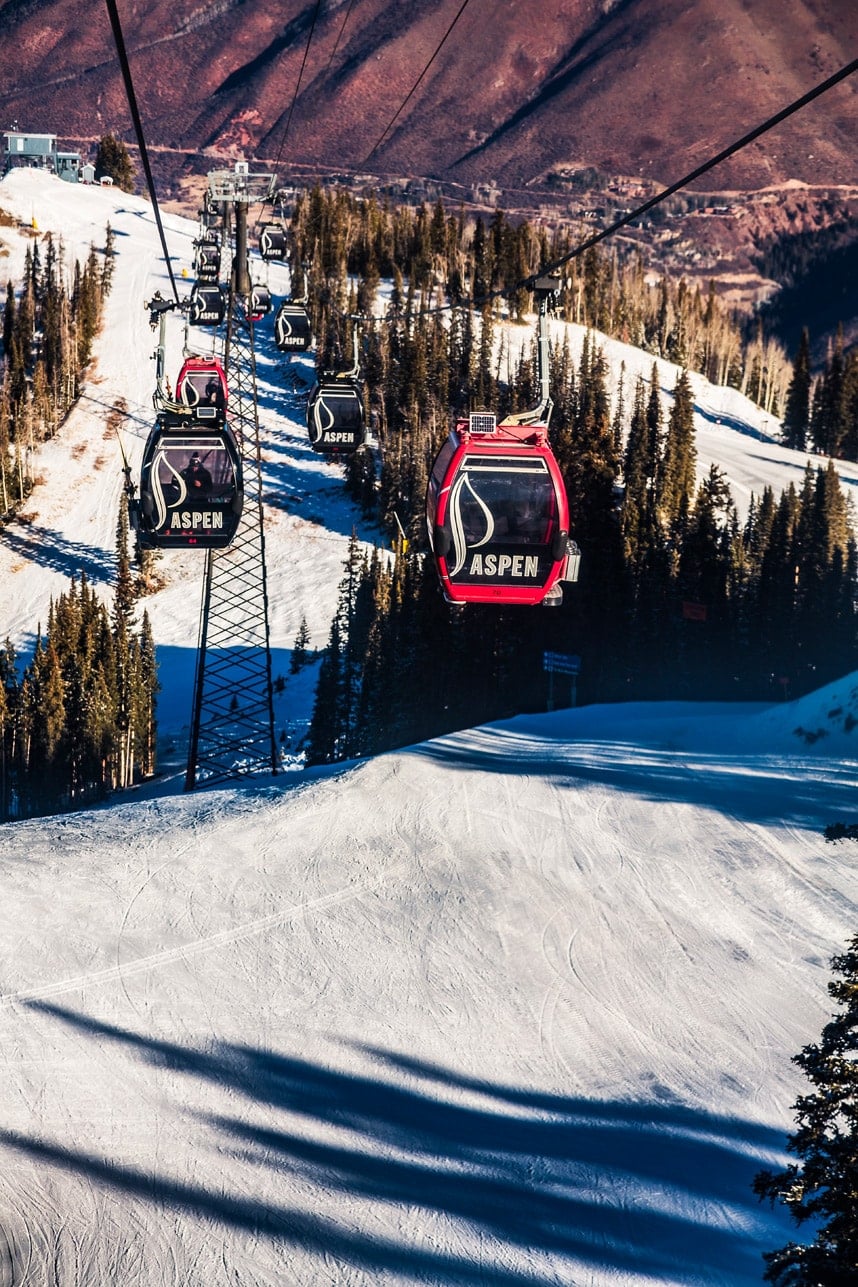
[(510, 93), (569, 109)]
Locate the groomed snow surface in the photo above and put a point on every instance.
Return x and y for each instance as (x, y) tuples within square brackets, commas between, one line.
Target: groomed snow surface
[(515, 1006)]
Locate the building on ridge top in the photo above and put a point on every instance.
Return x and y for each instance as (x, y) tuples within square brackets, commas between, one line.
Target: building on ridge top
[(22, 150)]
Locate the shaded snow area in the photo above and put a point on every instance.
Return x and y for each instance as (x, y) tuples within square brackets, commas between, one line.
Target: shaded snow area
[(514, 1008)]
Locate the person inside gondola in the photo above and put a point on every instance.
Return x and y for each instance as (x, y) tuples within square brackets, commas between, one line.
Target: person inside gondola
[(213, 396), (197, 477), (527, 521)]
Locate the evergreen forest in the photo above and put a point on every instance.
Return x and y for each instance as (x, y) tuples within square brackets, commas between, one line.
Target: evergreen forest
[(80, 720), (676, 597)]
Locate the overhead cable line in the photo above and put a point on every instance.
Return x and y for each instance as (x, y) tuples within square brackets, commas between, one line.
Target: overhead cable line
[(527, 283), (295, 95), (413, 88), (138, 129), (339, 36), (782, 115), (298, 84)]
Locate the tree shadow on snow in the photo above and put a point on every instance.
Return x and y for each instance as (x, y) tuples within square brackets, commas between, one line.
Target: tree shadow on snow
[(749, 787), (48, 548), (554, 1183)]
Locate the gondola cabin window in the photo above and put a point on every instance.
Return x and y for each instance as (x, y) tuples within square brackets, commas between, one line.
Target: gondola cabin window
[(502, 518)]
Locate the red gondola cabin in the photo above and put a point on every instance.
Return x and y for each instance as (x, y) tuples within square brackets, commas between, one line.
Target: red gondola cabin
[(497, 514), (202, 382)]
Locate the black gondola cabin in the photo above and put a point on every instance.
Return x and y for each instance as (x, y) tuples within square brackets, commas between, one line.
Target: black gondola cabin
[(336, 419), (191, 486), (292, 333), (207, 304), (207, 260), (273, 243), (259, 302)]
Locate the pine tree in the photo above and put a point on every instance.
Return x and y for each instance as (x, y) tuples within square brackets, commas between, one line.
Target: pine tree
[(301, 647), (8, 713), (8, 319), (146, 698), (619, 419), (797, 410), (47, 779), (680, 455), (654, 429), (109, 255), (112, 161), (827, 420), (638, 474), (823, 1186), (125, 592), (324, 740), (125, 653), (776, 589)]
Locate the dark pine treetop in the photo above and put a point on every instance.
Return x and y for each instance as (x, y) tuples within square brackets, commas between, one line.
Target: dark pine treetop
[(112, 161), (822, 1188)]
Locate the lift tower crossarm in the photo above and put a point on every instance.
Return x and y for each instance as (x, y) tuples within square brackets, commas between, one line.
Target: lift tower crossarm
[(239, 188), (545, 289)]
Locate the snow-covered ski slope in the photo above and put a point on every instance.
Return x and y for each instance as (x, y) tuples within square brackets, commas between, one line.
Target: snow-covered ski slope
[(514, 1007)]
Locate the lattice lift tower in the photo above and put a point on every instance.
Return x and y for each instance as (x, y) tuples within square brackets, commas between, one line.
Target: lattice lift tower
[(232, 725)]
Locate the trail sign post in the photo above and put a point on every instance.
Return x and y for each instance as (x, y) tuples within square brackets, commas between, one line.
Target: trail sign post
[(563, 663)]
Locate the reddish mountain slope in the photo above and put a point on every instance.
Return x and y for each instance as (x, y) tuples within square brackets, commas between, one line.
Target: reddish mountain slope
[(517, 89)]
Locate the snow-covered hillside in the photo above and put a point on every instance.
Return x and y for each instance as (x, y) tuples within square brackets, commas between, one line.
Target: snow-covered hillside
[(516, 1006), (71, 518)]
